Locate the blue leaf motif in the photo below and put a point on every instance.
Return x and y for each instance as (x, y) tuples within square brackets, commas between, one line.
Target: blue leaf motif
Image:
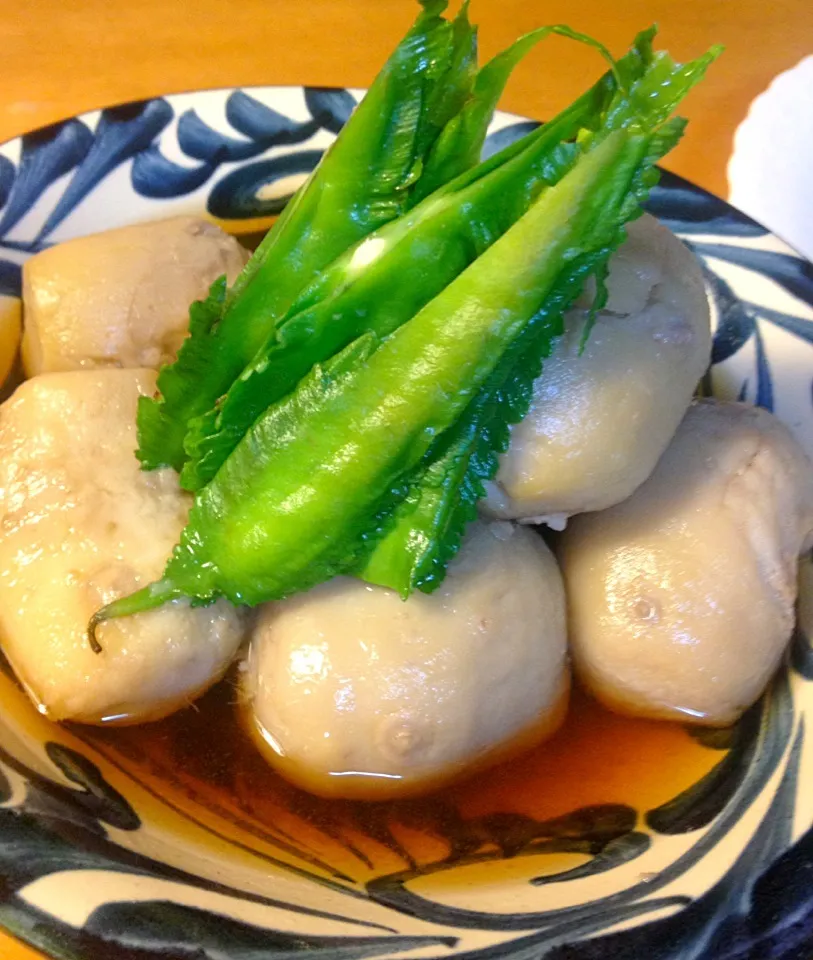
[(97, 799), (122, 132), (330, 107), (237, 195), (687, 208), (764, 397), (156, 177), (791, 272), (795, 325), (25, 246), (760, 909), (263, 124), (163, 928), (7, 174), (704, 800), (197, 139), (614, 854), (11, 282), (736, 324), (506, 136), (47, 155)]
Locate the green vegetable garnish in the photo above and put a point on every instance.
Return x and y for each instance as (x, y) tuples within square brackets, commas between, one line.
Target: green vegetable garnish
[(365, 179), (358, 438), (383, 281), (430, 522), (422, 123)]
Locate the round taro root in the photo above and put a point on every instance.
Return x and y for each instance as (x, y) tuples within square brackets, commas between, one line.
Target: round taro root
[(121, 298), (599, 420), (681, 599), (82, 524), (354, 692)]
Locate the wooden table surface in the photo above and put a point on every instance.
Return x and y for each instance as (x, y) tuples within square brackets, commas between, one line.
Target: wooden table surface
[(61, 57)]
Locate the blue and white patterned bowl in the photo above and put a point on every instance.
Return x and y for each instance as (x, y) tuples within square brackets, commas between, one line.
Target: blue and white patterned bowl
[(103, 857)]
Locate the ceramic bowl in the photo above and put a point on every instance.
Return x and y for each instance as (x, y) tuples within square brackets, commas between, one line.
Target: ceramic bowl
[(620, 839)]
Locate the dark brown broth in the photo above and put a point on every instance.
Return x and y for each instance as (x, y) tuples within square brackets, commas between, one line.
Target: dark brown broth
[(202, 758)]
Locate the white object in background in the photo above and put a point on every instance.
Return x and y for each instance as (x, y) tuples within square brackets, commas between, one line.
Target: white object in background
[(769, 170)]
